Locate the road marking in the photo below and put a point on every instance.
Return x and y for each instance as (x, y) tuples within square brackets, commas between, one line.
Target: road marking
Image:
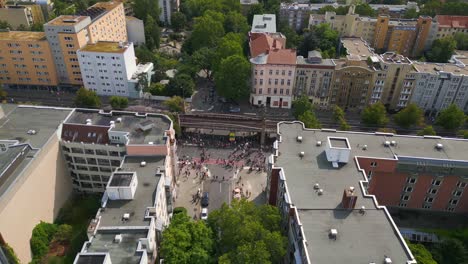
[(220, 187)]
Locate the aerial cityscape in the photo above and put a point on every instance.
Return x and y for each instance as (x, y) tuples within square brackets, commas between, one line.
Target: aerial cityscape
[(233, 131)]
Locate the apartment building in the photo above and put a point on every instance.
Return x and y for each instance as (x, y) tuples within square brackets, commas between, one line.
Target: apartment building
[(321, 192), (262, 42), (108, 68), (21, 15), (314, 78), (67, 34), (449, 25), (135, 30), (273, 78), (265, 23), (437, 85), (26, 59), (31, 169), (168, 7)]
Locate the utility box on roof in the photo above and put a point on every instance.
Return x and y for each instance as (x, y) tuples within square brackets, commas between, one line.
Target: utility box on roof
[(122, 186), (338, 150)]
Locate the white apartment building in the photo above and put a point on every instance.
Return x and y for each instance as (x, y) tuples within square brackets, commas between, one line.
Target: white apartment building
[(135, 30), (108, 67), (440, 84), (167, 8)]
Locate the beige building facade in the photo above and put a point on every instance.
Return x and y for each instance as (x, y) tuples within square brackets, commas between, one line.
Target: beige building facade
[(26, 59)]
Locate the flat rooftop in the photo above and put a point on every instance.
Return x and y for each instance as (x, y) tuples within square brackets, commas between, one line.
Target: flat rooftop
[(439, 67), (120, 253), (91, 259), (265, 23), (338, 142), (66, 20), (391, 57), (365, 238), (130, 123), (22, 36), (121, 179), (357, 46), (105, 46), (144, 195)]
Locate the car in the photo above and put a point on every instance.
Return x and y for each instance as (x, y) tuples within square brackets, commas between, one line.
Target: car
[(204, 214), (234, 109), (205, 200)]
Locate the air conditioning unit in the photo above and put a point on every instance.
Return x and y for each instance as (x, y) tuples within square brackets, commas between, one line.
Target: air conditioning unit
[(126, 216), (439, 146), (387, 143), (118, 238), (143, 164), (299, 139)]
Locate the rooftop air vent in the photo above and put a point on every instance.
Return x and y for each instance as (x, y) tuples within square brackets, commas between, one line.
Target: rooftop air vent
[(362, 210), (88, 120), (320, 192), (119, 120), (151, 143), (387, 143), (333, 233), (439, 146), (316, 186), (126, 216), (299, 139), (112, 123), (143, 164), (319, 143), (118, 238), (301, 154), (32, 132), (364, 147), (393, 143), (388, 260)]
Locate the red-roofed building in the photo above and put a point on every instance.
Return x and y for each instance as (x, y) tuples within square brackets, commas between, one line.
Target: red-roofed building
[(449, 25), (262, 42)]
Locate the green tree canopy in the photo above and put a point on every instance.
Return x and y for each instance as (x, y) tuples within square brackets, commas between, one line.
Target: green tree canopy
[(233, 84), (181, 85), (301, 105), (442, 49), (321, 37), (227, 47), (157, 89), (204, 59), (87, 98), (338, 113), (144, 54), (178, 21), (236, 22), (4, 25), (248, 233), (411, 13), (175, 104), (144, 8), (231, 5), (309, 119), (293, 39), (118, 102), (374, 115), (152, 33), (451, 118), (462, 40), (411, 115), (196, 8), (364, 9), (207, 32), (186, 241), (427, 131), (256, 9), (422, 255), (450, 251)]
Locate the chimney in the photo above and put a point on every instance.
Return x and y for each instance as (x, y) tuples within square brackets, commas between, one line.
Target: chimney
[(349, 198)]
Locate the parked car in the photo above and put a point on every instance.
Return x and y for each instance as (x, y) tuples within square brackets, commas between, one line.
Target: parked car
[(204, 214), (234, 108), (205, 200)]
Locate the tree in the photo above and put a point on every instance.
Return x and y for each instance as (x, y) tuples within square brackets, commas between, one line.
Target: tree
[(364, 10), (247, 233), (411, 13), (301, 105), (309, 119), (450, 251), (236, 22), (462, 40), (38, 27), (175, 104), (309, 42), (186, 241), (145, 8), (409, 116), (293, 39), (152, 33), (431, 8), (230, 83), (463, 134), (181, 85), (144, 54), (451, 118), (4, 25), (231, 5), (338, 113), (64, 233), (178, 21), (422, 255), (3, 93), (442, 49), (196, 8), (157, 89), (87, 98), (22, 27), (256, 9), (226, 48), (374, 115), (203, 59), (118, 102), (206, 32), (427, 131)]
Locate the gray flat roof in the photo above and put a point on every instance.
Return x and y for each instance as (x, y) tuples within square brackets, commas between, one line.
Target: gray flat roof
[(19, 120), (320, 213), (120, 253), (144, 195), (338, 142), (130, 123), (265, 23)]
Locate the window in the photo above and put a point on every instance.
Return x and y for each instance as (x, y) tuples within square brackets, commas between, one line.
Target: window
[(405, 197), (429, 199), (411, 180), (457, 193), (427, 206), (432, 191), (453, 201), (436, 182), (408, 189), (402, 204), (373, 164), (461, 184), (283, 72), (281, 91), (261, 72), (275, 91)]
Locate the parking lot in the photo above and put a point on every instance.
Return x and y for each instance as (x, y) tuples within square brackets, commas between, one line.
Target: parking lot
[(218, 171)]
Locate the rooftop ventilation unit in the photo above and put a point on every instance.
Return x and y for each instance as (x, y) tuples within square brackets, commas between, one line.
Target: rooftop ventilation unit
[(143, 164), (112, 123), (118, 238), (301, 154), (88, 121), (333, 233), (320, 192), (319, 143), (119, 120), (387, 143), (126, 216), (299, 139), (316, 186), (439, 146), (388, 260), (393, 143), (364, 147), (362, 210)]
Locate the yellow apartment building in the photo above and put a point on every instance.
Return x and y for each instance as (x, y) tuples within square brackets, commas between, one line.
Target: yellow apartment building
[(26, 59)]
